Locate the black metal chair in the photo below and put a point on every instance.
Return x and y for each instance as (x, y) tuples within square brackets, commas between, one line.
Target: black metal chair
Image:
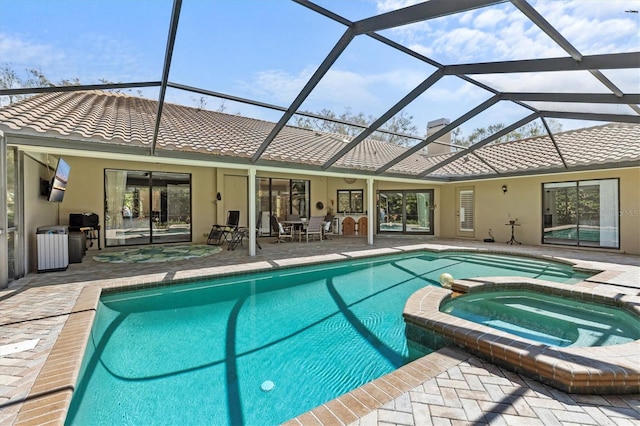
[(221, 233), (240, 233)]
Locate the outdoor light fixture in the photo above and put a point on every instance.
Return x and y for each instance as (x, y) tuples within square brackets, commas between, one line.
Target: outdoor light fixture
[(504, 189)]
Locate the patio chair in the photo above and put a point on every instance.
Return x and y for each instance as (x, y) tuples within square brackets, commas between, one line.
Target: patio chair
[(328, 226), (239, 234), (280, 231), (221, 233), (314, 227)]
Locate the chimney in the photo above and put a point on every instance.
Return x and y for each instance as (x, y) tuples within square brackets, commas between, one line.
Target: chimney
[(433, 148)]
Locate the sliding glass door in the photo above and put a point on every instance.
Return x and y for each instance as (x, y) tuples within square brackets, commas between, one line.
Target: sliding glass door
[(10, 252), (281, 197), (143, 207), (408, 212), (581, 213)]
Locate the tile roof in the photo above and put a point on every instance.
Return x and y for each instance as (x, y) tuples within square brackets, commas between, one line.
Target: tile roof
[(113, 118)]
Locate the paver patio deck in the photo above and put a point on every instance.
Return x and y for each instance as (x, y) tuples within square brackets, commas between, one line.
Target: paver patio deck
[(454, 387)]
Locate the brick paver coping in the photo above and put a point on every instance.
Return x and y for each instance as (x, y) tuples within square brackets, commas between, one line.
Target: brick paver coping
[(50, 395), (589, 370)]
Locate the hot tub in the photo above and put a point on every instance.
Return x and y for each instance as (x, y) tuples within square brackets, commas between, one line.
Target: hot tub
[(572, 368), (548, 319)]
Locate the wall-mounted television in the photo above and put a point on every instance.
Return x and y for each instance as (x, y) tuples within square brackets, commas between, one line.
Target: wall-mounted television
[(59, 182)]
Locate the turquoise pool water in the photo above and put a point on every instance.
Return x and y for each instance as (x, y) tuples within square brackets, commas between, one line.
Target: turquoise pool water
[(554, 321), (202, 353)]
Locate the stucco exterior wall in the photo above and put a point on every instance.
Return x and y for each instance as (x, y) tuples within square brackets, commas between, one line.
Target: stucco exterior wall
[(523, 200), (85, 191), (493, 208)]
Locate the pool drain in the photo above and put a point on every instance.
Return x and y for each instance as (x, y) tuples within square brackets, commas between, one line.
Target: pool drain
[(267, 386)]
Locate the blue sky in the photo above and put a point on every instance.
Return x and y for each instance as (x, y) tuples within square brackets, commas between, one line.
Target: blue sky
[(267, 49)]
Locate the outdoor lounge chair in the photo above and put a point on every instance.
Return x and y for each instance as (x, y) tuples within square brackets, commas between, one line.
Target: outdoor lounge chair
[(280, 231), (239, 234), (221, 233), (314, 227)]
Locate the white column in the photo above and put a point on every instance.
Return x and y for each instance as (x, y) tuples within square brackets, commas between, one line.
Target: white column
[(370, 211), (252, 211)]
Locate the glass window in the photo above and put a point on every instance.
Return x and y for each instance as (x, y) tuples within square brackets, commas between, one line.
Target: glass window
[(284, 198), (350, 201), (263, 206), (581, 213), (280, 198), (300, 197), (12, 240), (11, 187)]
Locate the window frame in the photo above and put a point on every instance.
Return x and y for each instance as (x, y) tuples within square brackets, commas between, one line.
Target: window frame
[(163, 212), (546, 216), (351, 194)]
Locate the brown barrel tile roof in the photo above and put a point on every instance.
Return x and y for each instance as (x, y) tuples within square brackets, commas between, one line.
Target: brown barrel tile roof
[(114, 118)]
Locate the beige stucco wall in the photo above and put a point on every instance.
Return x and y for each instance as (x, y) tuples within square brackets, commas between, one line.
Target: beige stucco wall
[(493, 208), (523, 200), (85, 191)]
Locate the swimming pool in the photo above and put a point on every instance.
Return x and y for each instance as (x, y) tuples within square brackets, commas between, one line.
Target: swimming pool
[(265, 347), (552, 320)]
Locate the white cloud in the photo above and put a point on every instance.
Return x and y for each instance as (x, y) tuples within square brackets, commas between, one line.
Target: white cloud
[(463, 44), (360, 91), (422, 49), (595, 26), (89, 59), (467, 18), (24, 53), (552, 82), (276, 85), (383, 6), (502, 32), (489, 18)]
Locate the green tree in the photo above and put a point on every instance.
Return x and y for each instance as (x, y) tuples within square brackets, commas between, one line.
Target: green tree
[(33, 77), (529, 130), (9, 79), (399, 124)]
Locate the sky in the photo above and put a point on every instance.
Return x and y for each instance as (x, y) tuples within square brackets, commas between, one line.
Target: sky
[(266, 50)]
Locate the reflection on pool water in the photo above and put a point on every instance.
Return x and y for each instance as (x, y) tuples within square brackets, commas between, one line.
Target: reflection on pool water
[(554, 321), (204, 352), (570, 232)]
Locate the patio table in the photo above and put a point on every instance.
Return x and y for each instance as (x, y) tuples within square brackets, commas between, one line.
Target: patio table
[(298, 226)]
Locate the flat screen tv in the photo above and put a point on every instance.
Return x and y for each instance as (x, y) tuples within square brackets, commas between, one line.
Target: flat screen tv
[(59, 182)]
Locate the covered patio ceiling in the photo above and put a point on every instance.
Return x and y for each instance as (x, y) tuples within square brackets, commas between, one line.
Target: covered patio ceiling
[(606, 90)]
